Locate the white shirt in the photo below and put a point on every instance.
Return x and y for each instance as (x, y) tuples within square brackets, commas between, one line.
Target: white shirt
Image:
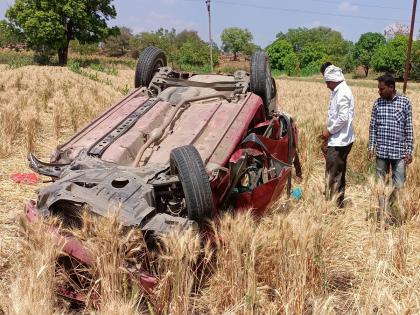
[(340, 116)]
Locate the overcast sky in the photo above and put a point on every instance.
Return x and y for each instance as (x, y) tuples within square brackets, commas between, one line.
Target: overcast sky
[(264, 18)]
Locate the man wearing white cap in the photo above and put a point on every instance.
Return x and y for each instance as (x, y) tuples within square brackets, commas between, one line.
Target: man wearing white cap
[(338, 136)]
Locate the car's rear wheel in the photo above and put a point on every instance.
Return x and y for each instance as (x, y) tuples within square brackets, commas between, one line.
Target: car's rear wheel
[(261, 82), (150, 60), (186, 162)]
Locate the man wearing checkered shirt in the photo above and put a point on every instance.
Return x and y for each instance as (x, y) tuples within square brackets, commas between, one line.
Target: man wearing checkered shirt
[(391, 132)]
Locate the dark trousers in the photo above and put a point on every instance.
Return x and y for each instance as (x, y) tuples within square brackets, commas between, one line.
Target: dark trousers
[(336, 165)]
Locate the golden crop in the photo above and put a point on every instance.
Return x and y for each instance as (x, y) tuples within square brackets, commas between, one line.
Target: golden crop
[(304, 257)]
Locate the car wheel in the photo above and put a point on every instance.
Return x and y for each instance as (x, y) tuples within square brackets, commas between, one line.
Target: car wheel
[(261, 82), (150, 60), (186, 162)]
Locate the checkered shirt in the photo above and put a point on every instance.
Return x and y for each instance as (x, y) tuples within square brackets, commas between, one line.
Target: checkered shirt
[(391, 128)]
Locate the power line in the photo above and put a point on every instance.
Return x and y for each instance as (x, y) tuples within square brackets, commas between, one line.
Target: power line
[(363, 5), (303, 11)]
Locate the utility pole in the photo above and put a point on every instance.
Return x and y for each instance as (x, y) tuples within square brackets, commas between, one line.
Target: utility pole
[(210, 38), (410, 43)]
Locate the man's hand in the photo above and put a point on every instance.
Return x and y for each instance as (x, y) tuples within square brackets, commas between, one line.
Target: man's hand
[(408, 159), (325, 135), (370, 155)]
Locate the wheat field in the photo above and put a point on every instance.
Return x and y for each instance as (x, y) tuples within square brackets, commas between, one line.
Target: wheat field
[(304, 257)]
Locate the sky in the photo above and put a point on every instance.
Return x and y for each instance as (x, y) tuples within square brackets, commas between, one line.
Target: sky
[(264, 18)]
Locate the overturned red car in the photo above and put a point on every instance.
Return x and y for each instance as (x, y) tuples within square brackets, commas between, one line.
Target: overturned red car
[(179, 150)]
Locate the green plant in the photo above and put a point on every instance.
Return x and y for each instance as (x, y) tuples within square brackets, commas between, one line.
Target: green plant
[(365, 49), (391, 57), (291, 64), (278, 52), (236, 40), (195, 53), (74, 66)]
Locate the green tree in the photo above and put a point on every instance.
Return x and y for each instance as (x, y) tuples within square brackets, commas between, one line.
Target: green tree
[(251, 48), (313, 53), (415, 61), (186, 35), (330, 43), (391, 57), (195, 53), (9, 36), (291, 64), (236, 40), (278, 51), (51, 25), (162, 38), (118, 45), (365, 48)]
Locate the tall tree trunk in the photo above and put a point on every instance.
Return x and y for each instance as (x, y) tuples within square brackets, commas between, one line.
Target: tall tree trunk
[(235, 56), (63, 53)]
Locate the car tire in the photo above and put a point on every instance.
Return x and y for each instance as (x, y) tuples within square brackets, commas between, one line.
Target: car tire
[(261, 82), (150, 60), (186, 162)]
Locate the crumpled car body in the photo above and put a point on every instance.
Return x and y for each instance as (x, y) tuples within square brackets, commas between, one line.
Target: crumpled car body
[(178, 152)]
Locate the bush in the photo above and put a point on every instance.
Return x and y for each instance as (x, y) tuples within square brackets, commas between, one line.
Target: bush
[(278, 52), (195, 53), (312, 54), (312, 68), (291, 64)]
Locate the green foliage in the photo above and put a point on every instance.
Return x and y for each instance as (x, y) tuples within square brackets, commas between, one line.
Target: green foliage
[(391, 57), (278, 52), (313, 54), (415, 61), (162, 38), (291, 64), (101, 68), (50, 25), (185, 36), (195, 53), (251, 48), (311, 68), (185, 49), (119, 44), (302, 37), (365, 48), (10, 36), (84, 49), (236, 40), (74, 66), (313, 47)]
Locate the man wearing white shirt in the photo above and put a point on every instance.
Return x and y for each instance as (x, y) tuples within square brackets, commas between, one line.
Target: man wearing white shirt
[(338, 137)]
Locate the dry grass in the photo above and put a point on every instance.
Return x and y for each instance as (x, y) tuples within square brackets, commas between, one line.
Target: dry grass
[(307, 258)]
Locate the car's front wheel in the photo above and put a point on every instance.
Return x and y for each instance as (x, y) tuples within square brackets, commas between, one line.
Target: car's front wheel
[(186, 162)]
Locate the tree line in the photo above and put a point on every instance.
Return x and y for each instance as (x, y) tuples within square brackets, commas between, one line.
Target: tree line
[(55, 27)]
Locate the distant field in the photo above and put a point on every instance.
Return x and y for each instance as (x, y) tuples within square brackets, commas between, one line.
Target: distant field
[(301, 259)]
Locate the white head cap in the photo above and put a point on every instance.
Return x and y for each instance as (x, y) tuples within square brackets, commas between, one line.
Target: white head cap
[(333, 74)]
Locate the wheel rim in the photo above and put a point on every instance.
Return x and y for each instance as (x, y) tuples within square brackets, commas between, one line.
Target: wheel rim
[(158, 64)]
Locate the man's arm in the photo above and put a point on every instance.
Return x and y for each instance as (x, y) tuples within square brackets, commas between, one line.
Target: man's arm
[(343, 109), (372, 128), (409, 134)]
